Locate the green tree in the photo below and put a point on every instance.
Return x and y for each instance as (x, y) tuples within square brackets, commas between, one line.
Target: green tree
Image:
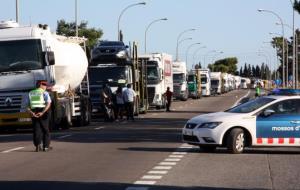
[(69, 29), (228, 65)]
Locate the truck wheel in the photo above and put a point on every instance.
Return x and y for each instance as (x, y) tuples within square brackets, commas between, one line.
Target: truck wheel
[(136, 108), (66, 121), (236, 141), (208, 148)]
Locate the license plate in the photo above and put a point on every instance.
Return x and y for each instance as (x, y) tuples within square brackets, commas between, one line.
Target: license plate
[(189, 132)]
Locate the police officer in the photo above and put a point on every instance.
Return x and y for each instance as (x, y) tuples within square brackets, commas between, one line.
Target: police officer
[(39, 104), (257, 91)]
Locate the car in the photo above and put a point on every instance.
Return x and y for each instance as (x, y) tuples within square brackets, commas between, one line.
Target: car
[(267, 121), (110, 51)]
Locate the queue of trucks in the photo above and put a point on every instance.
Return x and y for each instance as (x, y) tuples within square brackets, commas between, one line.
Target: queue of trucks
[(32, 53)]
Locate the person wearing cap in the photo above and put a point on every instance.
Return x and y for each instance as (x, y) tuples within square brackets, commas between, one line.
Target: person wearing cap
[(39, 104)]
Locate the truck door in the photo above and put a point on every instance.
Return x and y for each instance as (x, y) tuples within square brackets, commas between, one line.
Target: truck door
[(279, 124)]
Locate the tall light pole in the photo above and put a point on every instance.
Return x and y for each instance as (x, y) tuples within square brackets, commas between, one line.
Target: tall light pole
[(147, 28), (17, 11), (283, 54), (267, 63), (122, 12), (76, 17), (178, 38), (217, 53), (188, 49), (195, 52), (212, 51)]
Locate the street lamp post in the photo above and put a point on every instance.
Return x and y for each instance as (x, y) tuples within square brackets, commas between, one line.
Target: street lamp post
[(17, 11), (76, 17), (157, 20), (178, 38), (188, 49), (217, 53), (194, 54), (212, 51), (283, 54), (122, 12)]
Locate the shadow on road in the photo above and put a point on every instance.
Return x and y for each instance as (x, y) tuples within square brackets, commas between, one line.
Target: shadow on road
[(61, 185)]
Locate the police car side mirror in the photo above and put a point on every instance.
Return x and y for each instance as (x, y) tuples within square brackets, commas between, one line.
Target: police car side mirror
[(268, 112)]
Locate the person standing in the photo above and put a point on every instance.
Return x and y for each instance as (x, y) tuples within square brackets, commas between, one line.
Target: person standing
[(257, 90), (129, 99), (119, 103), (169, 95), (106, 102), (39, 105)]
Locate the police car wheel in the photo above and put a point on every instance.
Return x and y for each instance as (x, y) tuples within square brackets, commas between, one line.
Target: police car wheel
[(236, 141)]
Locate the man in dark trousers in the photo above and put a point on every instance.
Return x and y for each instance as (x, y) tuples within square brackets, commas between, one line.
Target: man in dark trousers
[(129, 99), (169, 95), (39, 105)]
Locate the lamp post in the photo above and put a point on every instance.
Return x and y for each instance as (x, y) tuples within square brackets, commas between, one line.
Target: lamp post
[(17, 11), (147, 28), (194, 54), (122, 12), (217, 53), (178, 38), (76, 18), (188, 49), (283, 56), (212, 51), (267, 62)]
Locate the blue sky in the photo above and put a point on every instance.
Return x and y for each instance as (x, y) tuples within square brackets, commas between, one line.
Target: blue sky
[(232, 26)]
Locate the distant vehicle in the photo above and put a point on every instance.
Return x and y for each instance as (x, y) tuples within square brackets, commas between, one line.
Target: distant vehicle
[(237, 82), (110, 51), (231, 82), (225, 83), (216, 82), (180, 86), (159, 77), (205, 82), (244, 83), (267, 121), (194, 84)]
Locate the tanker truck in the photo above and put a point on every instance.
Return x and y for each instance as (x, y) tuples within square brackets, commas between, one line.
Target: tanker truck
[(32, 53)]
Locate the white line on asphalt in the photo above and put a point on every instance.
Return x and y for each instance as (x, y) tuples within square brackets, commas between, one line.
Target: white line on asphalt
[(167, 163), (236, 103), (145, 182), (152, 177), (137, 188), (186, 147), (162, 167), (179, 153), (176, 156), (11, 150), (65, 136), (172, 160), (99, 128), (157, 172)]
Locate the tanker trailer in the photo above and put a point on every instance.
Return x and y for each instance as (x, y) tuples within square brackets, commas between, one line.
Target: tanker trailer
[(32, 53)]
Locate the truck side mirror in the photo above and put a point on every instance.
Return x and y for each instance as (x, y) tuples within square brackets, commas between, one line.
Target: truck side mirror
[(51, 58)]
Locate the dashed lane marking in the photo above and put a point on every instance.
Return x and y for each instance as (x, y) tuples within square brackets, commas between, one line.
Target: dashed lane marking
[(180, 153), (152, 177), (98, 128), (172, 159), (157, 172), (144, 182), (162, 167), (176, 156), (64, 136), (13, 149), (167, 163)]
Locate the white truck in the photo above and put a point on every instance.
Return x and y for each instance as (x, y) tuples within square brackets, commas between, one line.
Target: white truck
[(32, 53), (225, 83), (180, 86), (237, 80), (216, 82), (159, 77), (205, 82)]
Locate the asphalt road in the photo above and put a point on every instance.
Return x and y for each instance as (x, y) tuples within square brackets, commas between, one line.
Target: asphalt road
[(141, 155)]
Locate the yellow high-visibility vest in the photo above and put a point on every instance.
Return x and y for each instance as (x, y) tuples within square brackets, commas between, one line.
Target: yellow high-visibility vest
[(36, 98)]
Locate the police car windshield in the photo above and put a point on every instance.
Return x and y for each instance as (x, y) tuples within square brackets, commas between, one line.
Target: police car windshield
[(251, 105)]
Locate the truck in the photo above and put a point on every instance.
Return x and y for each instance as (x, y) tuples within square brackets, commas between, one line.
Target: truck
[(225, 83), (159, 77), (29, 54), (194, 84), (205, 82), (216, 82), (180, 86), (118, 73)]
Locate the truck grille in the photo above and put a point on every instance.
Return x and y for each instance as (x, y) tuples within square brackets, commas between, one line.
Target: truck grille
[(176, 90), (151, 94), (10, 104)]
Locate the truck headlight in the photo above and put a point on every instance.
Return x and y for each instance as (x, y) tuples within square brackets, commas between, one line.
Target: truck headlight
[(121, 53), (210, 125)]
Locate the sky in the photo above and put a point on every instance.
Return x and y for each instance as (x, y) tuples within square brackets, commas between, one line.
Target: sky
[(233, 27)]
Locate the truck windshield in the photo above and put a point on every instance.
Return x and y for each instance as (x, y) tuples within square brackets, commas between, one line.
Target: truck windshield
[(203, 79), (20, 55), (215, 82), (191, 78), (99, 75), (152, 73), (251, 105), (178, 77)]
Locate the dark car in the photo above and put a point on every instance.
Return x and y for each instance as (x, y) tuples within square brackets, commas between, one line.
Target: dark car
[(110, 51)]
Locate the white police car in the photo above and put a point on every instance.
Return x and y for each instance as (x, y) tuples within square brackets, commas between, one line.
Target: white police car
[(272, 120)]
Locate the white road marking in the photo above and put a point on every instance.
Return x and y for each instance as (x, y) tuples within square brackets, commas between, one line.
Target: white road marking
[(176, 156), (186, 147), (157, 172), (65, 136), (172, 159), (13, 149), (152, 177), (99, 128), (144, 182), (179, 153), (162, 167), (137, 188), (167, 163)]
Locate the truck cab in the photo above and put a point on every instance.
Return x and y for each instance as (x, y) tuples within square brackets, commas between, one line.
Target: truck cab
[(216, 82), (194, 84), (205, 82), (179, 81)]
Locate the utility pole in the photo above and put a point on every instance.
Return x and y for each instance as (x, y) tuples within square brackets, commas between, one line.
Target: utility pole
[(17, 11)]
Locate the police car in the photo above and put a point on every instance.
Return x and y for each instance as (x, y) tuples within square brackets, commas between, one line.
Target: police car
[(272, 120)]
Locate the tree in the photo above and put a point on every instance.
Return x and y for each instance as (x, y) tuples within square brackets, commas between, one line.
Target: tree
[(257, 72), (69, 29), (245, 70), (241, 71), (297, 6), (252, 71), (228, 65)]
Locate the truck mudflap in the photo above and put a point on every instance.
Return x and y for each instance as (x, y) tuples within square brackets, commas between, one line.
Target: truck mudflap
[(13, 119)]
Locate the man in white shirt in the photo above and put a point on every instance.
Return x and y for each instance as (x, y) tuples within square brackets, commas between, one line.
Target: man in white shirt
[(129, 99)]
